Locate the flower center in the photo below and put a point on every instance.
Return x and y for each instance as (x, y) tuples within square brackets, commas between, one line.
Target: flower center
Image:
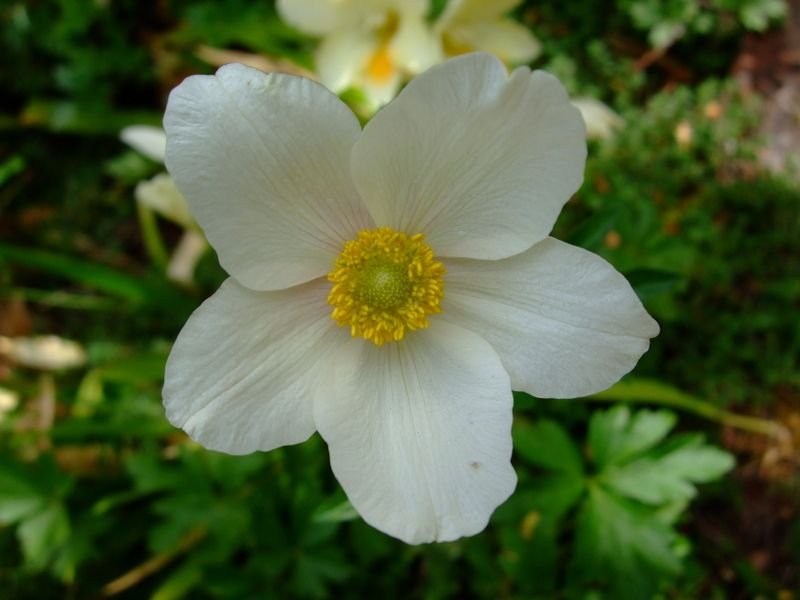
[(384, 284)]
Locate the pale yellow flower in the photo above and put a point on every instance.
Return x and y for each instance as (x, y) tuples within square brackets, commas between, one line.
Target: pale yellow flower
[(8, 401), (601, 121), (469, 25), (161, 195), (374, 46), (45, 352)]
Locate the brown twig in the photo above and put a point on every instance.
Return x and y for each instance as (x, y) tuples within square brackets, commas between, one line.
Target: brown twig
[(154, 564)]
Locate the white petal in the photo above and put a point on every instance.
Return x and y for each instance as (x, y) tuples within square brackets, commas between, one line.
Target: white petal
[(263, 161), (414, 46), (475, 11), (44, 352), (150, 141), (342, 57), (187, 254), (507, 39), (563, 321), (162, 195), (244, 369), (408, 8), (601, 121), (319, 17), (419, 432), (479, 162), (379, 91)]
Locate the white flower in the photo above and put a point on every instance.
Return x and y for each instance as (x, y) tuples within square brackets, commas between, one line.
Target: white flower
[(468, 25), (601, 121), (161, 195), (373, 45), (8, 401), (45, 352), (389, 287), (147, 140)]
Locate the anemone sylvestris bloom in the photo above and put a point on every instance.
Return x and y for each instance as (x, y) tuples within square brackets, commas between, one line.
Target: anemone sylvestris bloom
[(389, 287), (372, 45), (469, 25)]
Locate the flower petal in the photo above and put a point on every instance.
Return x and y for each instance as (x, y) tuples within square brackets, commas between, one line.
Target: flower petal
[(419, 432), (263, 161), (479, 162), (476, 10), (510, 41), (341, 57), (162, 195), (563, 321), (414, 46), (379, 91), (243, 371), (318, 17), (150, 141), (601, 121)]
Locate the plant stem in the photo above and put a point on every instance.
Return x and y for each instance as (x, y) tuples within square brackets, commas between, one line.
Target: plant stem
[(63, 299), (151, 236), (686, 403), (154, 564)]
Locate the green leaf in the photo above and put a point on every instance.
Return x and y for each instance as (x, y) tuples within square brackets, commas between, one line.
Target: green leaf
[(530, 524), (693, 459), (25, 490), (555, 494), (18, 498), (138, 291), (547, 445), (652, 282), (621, 547), (531, 556), (73, 117), (591, 232), (335, 510), (145, 367), (646, 480), (551, 495), (77, 430), (42, 534), (313, 573), (665, 475), (150, 474), (10, 167), (615, 436), (179, 584)]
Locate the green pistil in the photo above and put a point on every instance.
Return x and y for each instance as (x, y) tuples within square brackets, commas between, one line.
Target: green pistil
[(383, 285)]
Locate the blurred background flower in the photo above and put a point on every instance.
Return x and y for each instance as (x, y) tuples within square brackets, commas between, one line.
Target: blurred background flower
[(470, 25), (372, 45), (47, 352), (160, 195)]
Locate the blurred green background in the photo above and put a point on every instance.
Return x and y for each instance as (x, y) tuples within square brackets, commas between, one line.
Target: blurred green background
[(690, 191)]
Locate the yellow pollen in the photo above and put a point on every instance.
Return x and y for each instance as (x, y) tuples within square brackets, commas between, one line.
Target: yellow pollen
[(385, 283), (381, 67)]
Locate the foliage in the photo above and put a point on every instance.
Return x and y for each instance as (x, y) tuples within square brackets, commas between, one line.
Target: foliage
[(667, 21), (605, 507), (627, 499)]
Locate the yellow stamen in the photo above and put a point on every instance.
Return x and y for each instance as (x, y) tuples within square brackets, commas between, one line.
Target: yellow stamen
[(381, 67), (454, 46), (385, 283)]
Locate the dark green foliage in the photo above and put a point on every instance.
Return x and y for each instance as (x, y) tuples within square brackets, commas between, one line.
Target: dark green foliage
[(606, 498)]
